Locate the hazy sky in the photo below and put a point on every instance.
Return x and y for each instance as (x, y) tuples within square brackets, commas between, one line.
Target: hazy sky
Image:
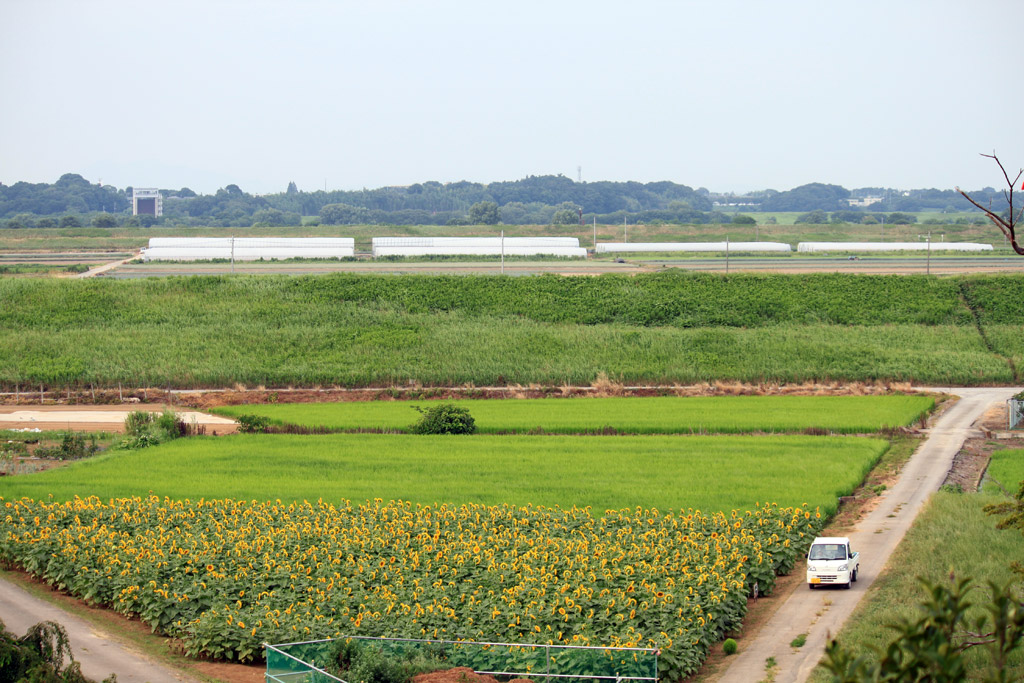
[(723, 94)]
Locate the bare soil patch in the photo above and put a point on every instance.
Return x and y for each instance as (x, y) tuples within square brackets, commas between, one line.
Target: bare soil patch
[(460, 674), (96, 418)]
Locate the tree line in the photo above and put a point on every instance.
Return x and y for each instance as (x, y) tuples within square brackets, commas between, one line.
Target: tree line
[(73, 201)]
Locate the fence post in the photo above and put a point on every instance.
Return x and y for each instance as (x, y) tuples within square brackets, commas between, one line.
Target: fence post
[(547, 661)]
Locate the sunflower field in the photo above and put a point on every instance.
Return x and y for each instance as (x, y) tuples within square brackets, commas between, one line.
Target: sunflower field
[(225, 576)]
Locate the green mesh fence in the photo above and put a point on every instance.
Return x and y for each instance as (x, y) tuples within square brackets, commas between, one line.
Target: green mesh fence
[(299, 663), (311, 661)]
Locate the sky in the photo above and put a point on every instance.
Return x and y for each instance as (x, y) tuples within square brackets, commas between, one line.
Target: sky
[(731, 95)]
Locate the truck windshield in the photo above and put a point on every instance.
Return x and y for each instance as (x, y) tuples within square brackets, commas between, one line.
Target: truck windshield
[(827, 551)]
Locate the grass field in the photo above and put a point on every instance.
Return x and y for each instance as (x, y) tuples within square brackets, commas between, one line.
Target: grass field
[(709, 473), (952, 535), (1005, 472), (654, 415), (450, 330)]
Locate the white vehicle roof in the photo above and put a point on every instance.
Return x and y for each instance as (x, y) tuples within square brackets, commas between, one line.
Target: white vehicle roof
[(841, 540)]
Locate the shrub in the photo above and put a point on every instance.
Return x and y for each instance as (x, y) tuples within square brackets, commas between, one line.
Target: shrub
[(253, 424), (73, 446), (171, 424), (137, 422), (729, 647), (370, 664), (42, 654), (444, 418)]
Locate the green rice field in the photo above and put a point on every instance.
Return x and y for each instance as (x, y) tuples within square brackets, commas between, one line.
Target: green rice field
[(709, 473), (1005, 471), (653, 415)]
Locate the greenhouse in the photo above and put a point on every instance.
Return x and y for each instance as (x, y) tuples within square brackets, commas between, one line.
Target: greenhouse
[(892, 246), (247, 248), (568, 247), (616, 247)]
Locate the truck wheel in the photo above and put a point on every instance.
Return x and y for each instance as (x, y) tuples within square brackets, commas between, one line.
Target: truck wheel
[(854, 577), (811, 586), (848, 585)]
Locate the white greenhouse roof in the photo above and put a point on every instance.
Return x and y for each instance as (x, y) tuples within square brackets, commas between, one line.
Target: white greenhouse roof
[(891, 246), (246, 248), (614, 247)]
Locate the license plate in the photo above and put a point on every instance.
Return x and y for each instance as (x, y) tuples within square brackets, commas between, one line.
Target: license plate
[(815, 580)]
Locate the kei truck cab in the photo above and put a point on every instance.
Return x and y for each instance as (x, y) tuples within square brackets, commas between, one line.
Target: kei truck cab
[(831, 561)]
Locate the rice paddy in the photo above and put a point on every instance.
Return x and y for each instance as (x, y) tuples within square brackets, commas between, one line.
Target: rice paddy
[(653, 415), (663, 472)]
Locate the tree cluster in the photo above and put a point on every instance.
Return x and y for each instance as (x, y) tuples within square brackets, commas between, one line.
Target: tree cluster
[(536, 200)]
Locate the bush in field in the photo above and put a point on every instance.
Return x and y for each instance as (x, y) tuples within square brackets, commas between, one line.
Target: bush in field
[(444, 419), (144, 429), (729, 646), (252, 424), (137, 422)]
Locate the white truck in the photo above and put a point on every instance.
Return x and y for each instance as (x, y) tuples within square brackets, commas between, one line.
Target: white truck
[(832, 562)]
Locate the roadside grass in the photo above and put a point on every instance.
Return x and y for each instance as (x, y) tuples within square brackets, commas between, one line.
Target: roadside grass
[(1005, 473), (700, 472), (946, 539), (648, 415)]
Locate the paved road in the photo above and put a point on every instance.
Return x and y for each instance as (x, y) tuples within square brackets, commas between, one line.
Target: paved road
[(876, 536), (98, 653)]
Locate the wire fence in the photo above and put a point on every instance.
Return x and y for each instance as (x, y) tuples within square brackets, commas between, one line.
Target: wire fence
[(310, 661)]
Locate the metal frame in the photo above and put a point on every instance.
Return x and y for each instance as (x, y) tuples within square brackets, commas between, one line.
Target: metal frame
[(1015, 414), (534, 674), (279, 677)]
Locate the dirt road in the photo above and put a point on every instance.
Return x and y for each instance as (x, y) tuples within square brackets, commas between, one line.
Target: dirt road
[(875, 536), (106, 267)]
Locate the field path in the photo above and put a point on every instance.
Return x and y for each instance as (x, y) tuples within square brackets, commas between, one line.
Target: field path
[(106, 267), (98, 653), (875, 536)]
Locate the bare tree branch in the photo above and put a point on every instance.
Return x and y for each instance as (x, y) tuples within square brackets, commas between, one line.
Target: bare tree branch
[(1006, 226)]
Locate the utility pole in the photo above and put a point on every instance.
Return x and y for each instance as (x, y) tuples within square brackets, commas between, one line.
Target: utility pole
[(595, 235), (928, 270), (502, 252)]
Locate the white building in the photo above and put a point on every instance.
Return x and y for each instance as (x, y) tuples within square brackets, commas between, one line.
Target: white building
[(147, 201)]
